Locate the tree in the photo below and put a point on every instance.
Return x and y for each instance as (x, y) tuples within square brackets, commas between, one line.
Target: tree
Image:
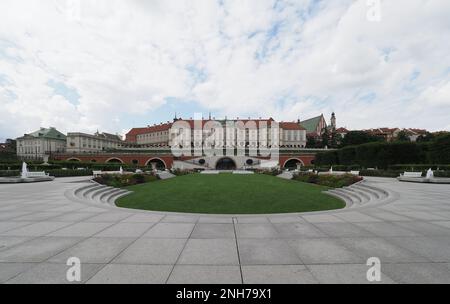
[(426, 138), (325, 138), (403, 136), (354, 138), (311, 142), (335, 140)]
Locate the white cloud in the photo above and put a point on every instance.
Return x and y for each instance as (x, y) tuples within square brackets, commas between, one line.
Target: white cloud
[(285, 59)]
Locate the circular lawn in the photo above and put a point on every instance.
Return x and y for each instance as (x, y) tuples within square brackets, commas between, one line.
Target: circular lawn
[(229, 194)]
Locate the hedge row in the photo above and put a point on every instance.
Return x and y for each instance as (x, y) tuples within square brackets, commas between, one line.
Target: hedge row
[(396, 173), (385, 155), (55, 173), (70, 165)]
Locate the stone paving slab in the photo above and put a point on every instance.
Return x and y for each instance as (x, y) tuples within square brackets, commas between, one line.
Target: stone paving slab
[(131, 274), (277, 274), (205, 274), (209, 252)]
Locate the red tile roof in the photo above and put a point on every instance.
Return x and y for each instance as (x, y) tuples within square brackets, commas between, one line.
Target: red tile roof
[(291, 126)]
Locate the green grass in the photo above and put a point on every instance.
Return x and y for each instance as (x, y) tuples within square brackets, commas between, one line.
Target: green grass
[(229, 194)]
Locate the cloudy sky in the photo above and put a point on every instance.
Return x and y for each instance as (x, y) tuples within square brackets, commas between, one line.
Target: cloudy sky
[(83, 65)]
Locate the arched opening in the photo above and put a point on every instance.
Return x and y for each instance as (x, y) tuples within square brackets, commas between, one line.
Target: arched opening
[(293, 164), (76, 160), (157, 163), (226, 163), (114, 161)]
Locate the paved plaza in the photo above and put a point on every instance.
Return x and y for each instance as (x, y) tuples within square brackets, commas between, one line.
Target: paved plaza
[(41, 226)]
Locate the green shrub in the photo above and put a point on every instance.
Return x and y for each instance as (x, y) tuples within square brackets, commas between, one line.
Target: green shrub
[(328, 180), (5, 173), (179, 172), (439, 150), (125, 180), (441, 173)]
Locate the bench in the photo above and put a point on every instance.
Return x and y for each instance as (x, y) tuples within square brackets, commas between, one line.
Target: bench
[(36, 174), (412, 174), (97, 173)]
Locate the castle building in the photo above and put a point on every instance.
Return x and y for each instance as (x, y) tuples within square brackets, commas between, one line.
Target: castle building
[(292, 134)]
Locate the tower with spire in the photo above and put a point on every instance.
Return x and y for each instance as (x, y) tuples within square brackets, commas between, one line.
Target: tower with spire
[(333, 122)]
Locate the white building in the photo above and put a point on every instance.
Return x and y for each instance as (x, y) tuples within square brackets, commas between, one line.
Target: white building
[(86, 143), (41, 143)]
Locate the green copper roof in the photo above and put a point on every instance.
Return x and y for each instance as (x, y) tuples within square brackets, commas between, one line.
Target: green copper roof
[(311, 124), (50, 133)]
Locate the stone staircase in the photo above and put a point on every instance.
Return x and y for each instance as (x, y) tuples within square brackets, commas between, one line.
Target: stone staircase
[(97, 194), (361, 194)]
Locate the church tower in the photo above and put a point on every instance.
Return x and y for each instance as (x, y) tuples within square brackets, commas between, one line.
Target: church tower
[(333, 121)]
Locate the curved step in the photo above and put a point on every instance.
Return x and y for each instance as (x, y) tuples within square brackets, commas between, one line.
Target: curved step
[(366, 198), (348, 201), (86, 194), (375, 194), (112, 199), (83, 188), (383, 193), (94, 195), (355, 197), (103, 198)]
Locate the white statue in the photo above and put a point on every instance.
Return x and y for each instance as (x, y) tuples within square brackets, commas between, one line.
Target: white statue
[(24, 170), (121, 170), (430, 174), (331, 170)]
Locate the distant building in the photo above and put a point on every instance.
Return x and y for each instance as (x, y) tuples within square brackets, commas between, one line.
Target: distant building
[(391, 134), (342, 132), (38, 144), (86, 143), (8, 147)]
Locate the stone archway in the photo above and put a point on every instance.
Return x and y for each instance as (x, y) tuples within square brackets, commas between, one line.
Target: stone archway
[(114, 160), (226, 163), (74, 159), (293, 163), (157, 163)]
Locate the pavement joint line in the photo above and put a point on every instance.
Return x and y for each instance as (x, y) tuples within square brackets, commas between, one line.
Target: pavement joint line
[(234, 220), (61, 251), (181, 251), (297, 255), (121, 251)]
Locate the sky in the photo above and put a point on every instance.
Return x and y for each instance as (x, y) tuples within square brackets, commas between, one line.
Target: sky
[(111, 65)]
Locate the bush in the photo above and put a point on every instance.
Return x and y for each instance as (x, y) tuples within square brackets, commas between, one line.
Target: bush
[(68, 173), (179, 172), (441, 173), (271, 172), (439, 150), (4, 173), (125, 180), (332, 181)]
